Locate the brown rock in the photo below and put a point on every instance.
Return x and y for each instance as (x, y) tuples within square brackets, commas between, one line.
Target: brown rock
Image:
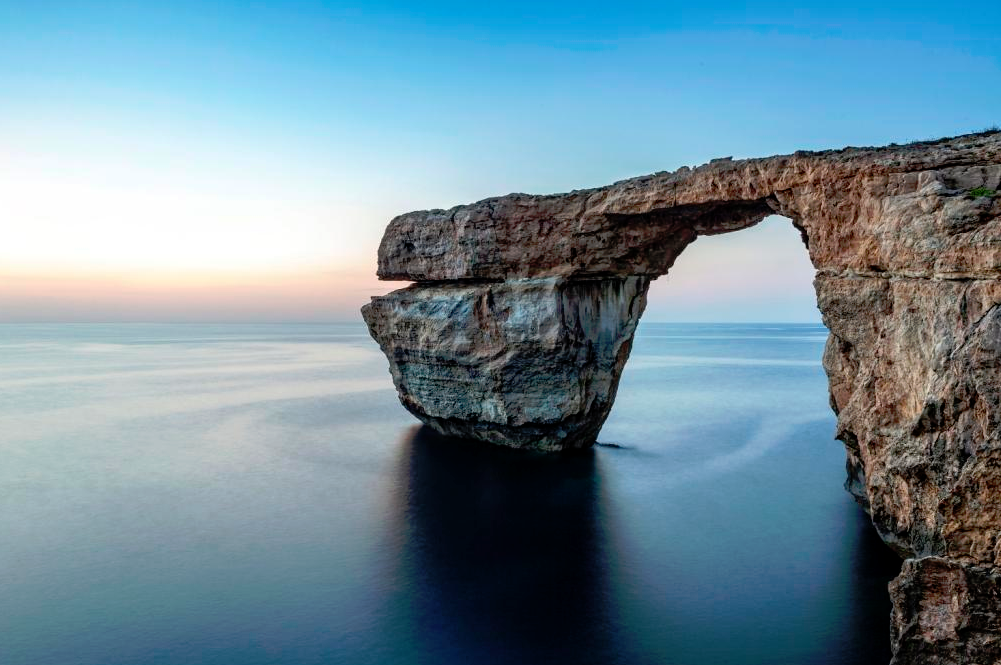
[(944, 612), (902, 209)]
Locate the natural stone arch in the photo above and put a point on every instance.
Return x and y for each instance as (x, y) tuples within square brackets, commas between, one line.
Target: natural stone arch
[(524, 308)]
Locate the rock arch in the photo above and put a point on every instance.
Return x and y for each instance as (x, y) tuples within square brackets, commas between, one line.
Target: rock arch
[(523, 310)]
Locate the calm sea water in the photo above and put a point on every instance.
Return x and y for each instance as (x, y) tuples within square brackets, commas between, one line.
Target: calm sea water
[(195, 494)]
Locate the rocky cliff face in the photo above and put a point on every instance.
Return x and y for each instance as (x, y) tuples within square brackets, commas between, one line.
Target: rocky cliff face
[(525, 306)]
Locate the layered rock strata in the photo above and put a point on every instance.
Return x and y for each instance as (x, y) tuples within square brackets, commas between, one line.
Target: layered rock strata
[(529, 363), (524, 307)]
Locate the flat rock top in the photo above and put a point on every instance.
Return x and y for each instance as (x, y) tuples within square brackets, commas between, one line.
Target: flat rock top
[(716, 177), (526, 235)]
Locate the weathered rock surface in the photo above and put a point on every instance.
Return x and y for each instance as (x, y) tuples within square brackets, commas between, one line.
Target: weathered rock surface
[(945, 612), (530, 363), (902, 210), (525, 307)]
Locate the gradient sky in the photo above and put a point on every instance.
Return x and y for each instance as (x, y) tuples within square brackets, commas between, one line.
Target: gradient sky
[(239, 161)]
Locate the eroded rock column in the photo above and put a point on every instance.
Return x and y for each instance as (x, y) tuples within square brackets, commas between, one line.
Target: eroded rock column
[(527, 363)]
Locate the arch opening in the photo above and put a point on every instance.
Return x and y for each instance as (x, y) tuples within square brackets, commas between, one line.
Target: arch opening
[(722, 423), (759, 274)]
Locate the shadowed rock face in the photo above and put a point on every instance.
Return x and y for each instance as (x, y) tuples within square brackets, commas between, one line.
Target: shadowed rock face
[(529, 363), (945, 612), (524, 309)]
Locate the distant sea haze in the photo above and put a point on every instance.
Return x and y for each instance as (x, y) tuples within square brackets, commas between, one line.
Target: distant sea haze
[(255, 494), (761, 273)]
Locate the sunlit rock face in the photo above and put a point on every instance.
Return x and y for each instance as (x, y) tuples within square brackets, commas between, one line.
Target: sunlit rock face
[(525, 306)]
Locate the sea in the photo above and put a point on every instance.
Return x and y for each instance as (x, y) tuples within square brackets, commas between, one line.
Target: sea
[(238, 494)]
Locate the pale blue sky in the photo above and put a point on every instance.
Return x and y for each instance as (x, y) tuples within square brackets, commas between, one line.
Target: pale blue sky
[(235, 161)]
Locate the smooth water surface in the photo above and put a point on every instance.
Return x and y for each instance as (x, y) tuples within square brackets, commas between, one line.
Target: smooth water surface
[(241, 495)]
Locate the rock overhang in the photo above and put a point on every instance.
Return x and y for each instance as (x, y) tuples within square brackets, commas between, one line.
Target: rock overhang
[(638, 226)]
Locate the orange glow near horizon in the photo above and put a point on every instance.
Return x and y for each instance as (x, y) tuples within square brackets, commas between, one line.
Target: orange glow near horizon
[(99, 228), (189, 296), (761, 269)]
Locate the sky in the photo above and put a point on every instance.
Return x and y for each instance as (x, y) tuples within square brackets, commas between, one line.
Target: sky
[(238, 161)]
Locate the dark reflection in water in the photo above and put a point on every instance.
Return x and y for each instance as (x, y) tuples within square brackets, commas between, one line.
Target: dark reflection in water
[(873, 564), (503, 555)]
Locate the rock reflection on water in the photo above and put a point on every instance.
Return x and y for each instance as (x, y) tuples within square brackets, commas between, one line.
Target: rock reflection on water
[(507, 557), (503, 555)]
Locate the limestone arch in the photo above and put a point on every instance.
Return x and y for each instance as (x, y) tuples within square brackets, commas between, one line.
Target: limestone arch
[(523, 309)]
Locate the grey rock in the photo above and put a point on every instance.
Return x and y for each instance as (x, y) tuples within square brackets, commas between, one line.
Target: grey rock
[(530, 363)]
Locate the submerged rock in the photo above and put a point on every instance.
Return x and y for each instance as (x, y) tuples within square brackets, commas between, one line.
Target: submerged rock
[(524, 309)]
